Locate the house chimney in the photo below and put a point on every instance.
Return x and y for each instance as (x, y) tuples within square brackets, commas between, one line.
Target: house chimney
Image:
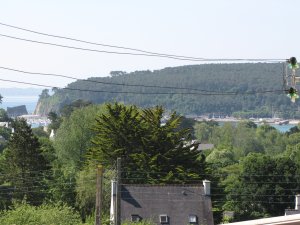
[(206, 185), (113, 201), (297, 202), (52, 135)]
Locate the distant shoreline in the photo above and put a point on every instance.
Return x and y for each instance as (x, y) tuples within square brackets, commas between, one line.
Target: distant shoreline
[(29, 101)]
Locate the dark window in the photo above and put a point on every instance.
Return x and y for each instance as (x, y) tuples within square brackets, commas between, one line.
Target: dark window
[(135, 218), (163, 218)]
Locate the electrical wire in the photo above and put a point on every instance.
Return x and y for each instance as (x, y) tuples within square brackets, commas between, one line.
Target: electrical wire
[(198, 181), (110, 83), (94, 43), (139, 54), (52, 170), (217, 175), (94, 50), (134, 49), (145, 93)]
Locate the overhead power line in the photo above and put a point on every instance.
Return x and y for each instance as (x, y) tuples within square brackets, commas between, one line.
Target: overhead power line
[(138, 54), (112, 92), (112, 83), (91, 50), (94, 43), (147, 53), (145, 93)]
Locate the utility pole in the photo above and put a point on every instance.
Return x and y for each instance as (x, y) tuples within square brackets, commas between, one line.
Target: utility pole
[(98, 210), (118, 205)]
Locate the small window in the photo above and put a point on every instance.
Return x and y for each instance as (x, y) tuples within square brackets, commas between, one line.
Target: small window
[(163, 218), (192, 219), (135, 218)]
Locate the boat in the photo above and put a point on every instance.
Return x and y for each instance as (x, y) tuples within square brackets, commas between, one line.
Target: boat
[(282, 122)]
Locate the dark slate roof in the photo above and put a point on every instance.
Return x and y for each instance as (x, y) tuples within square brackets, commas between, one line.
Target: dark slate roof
[(17, 111), (175, 201)]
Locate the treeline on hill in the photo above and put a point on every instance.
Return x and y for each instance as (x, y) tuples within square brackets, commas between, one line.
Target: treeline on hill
[(254, 170), (238, 78)]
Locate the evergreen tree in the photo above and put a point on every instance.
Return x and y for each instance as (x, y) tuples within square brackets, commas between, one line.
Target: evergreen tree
[(26, 167), (151, 152)]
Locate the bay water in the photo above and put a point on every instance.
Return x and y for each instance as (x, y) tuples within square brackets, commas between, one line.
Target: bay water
[(31, 101), (11, 101)]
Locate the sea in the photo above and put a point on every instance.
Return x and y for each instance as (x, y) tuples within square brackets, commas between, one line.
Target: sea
[(31, 101), (281, 128)]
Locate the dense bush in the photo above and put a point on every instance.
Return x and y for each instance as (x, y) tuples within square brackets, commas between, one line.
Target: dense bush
[(24, 214)]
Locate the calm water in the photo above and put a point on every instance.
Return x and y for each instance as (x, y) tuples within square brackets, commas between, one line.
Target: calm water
[(281, 128), (29, 101)]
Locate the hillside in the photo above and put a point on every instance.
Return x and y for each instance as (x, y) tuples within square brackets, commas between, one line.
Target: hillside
[(239, 78)]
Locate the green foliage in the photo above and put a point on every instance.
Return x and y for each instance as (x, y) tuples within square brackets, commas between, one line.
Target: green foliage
[(24, 214), (5, 132), (71, 142), (221, 157), (271, 140), (242, 150), (187, 123), (39, 132), (55, 121), (73, 137), (151, 152), (204, 130), (3, 114), (24, 165), (263, 187), (86, 191), (44, 94), (67, 110), (240, 78)]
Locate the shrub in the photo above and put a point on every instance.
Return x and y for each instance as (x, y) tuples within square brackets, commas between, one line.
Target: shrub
[(24, 214)]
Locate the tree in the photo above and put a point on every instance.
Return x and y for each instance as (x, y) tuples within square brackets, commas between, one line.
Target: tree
[(204, 130), (74, 135), (151, 152), (271, 139), (3, 114), (39, 132), (264, 187), (55, 121), (71, 143), (67, 110), (25, 166), (44, 94), (55, 89), (117, 73)]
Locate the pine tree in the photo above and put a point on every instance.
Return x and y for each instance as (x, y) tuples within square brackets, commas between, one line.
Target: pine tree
[(26, 167), (151, 152)]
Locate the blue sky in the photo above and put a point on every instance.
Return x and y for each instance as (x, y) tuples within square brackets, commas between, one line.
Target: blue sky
[(209, 29)]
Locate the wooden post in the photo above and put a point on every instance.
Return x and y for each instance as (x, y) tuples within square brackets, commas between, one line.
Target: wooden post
[(98, 209), (118, 205)]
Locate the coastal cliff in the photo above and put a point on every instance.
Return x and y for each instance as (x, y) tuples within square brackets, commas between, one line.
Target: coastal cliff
[(47, 103), (243, 90)]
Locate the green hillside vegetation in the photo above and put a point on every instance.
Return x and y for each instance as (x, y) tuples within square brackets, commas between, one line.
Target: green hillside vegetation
[(239, 78), (251, 167)]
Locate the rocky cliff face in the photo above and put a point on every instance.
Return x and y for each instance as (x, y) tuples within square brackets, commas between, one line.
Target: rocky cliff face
[(43, 107)]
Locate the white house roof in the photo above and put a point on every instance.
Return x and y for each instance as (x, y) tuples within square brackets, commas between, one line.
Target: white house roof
[(286, 220)]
